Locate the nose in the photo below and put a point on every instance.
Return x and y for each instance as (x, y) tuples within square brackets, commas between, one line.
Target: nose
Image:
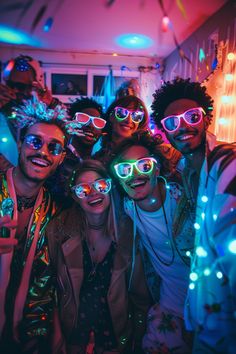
[(129, 119), (182, 123), (44, 149)]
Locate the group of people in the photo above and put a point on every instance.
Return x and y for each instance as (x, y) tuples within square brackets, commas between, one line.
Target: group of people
[(113, 241)]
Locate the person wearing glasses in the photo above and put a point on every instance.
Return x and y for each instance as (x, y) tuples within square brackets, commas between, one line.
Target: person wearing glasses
[(91, 250), (138, 166), (183, 110), (124, 116), (85, 127), (27, 291)]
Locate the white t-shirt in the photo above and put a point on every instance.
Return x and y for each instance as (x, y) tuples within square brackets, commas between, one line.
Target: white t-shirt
[(157, 242)]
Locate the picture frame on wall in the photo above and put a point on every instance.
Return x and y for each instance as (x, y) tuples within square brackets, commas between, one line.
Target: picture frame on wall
[(69, 84)]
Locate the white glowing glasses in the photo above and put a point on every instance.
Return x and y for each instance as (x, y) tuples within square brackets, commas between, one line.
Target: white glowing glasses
[(192, 116), (85, 119)]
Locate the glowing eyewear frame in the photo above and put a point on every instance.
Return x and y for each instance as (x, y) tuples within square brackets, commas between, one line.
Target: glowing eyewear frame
[(102, 185), (122, 113), (140, 165), (35, 142), (85, 119), (174, 120)]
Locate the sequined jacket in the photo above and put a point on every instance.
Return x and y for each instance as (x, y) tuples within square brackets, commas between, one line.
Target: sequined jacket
[(128, 309)]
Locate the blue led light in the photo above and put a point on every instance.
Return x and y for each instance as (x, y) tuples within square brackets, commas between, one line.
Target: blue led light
[(204, 198), (201, 252), (193, 276), (196, 226), (15, 36), (134, 41), (232, 246), (4, 139), (191, 286)]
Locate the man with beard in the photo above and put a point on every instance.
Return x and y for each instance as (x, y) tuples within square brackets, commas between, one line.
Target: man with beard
[(183, 110), (27, 293), (151, 204), (85, 129)]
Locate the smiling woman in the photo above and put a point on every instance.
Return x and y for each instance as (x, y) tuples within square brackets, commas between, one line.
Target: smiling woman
[(98, 306)]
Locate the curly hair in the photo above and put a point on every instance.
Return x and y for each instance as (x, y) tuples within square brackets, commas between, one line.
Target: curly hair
[(82, 103), (179, 89)]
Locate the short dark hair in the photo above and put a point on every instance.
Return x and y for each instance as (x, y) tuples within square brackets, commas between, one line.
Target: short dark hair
[(178, 89), (82, 103)]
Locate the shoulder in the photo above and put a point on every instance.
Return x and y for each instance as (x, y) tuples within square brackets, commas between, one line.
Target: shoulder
[(222, 167)]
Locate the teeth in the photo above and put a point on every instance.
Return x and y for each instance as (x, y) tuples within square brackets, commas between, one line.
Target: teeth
[(40, 162), (88, 134), (185, 137), (95, 201), (137, 183)]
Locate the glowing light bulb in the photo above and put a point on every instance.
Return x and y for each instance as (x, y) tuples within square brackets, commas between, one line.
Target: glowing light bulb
[(231, 56), (193, 276), (191, 286), (214, 217), (167, 186), (114, 54), (204, 198), (206, 272), (226, 99), (203, 216), (219, 275), (196, 226), (232, 246), (201, 252), (188, 253), (4, 140), (223, 121), (229, 77)]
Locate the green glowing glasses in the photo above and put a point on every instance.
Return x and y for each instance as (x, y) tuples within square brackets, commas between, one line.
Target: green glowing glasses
[(143, 166)]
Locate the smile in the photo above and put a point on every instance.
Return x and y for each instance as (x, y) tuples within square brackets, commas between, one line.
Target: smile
[(95, 202), (40, 162), (184, 137)]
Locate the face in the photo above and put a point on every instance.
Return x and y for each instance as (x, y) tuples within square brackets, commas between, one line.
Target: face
[(21, 82), (38, 165), (187, 138), (138, 186), (95, 203), (92, 134), (125, 128)]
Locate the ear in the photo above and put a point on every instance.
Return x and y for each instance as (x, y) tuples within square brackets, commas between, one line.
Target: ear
[(63, 155), (206, 122)]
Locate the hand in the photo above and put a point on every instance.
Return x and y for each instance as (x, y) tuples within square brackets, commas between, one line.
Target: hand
[(6, 95), (44, 94)]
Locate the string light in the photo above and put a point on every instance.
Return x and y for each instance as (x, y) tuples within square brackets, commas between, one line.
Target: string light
[(229, 77), (191, 286), (206, 272), (219, 275), (203, 216), (196, 226), (232, 246), (201, 252), (193, 276), (230, 56), (214, 217), (204, 198)]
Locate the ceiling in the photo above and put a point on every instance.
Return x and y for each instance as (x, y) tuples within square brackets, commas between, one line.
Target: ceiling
[(91, 26)]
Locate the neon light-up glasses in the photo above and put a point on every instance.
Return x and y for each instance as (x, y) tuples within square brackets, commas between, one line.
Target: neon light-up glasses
[(82, 190), (143, 166), (35, 142), (85, 119), (192, 116), (122, 113)]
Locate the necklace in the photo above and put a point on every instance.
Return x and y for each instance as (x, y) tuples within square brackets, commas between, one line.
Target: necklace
[(168, 234), (25, 202)]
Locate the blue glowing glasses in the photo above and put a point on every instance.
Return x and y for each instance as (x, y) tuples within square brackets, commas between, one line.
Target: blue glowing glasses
[(35, 142)]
